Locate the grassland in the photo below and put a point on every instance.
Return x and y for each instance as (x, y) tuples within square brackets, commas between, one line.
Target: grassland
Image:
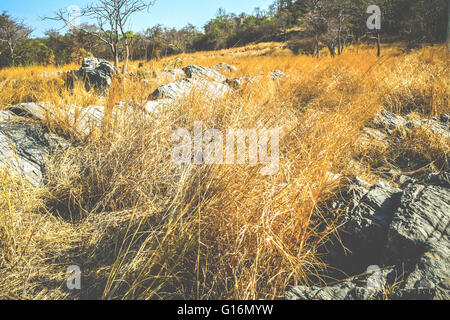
[(141, 227)]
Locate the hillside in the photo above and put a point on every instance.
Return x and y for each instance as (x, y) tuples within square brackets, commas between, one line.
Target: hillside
[(88, 177)]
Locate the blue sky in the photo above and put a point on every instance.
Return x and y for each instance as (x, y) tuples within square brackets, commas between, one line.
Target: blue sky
[(171, 13)]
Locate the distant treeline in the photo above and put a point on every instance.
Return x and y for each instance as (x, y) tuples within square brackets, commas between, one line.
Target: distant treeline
[(307, 25)]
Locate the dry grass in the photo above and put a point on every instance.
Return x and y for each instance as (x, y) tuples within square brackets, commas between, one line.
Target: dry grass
[(141, 227)]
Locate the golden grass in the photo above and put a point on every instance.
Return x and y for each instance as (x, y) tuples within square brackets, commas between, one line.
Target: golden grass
[(141, 227)]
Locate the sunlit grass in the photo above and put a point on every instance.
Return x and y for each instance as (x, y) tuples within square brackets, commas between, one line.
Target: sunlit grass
[(141, 227)]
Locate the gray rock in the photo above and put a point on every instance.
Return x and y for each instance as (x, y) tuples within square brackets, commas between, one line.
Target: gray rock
[(182, 88), (370, 286), (429, 277), (445, 118), (367, 214), (408, 229), (6, 115), (341, 291), (404, 181), (388, 121), (421, 220), (95, 73), (35, 111), (173, 75), (24, 149), (238, 83), (205, 73), (86, 120), (155, 105), (173, 90), (277, 75), (440, 180), (82, 120), (436, 127), (225, 67), (371, 135), (419, 238)]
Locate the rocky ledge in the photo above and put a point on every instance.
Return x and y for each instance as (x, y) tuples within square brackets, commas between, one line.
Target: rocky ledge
[(397, 241)]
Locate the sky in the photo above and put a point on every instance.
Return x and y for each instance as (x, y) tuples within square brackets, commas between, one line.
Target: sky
[(170, 13)]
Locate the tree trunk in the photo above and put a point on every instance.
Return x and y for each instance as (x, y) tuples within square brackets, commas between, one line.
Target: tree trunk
[(339, 44), (116, 56), (448, 29), (332, 48), (339, 36), (317, 47), (13, 58), (378, 44), (127, 54)]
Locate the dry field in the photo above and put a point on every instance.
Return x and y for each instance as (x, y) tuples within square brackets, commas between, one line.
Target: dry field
[(141, 227)]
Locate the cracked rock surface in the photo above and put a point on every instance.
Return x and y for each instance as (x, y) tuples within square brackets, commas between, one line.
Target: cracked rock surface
[(404, 230)]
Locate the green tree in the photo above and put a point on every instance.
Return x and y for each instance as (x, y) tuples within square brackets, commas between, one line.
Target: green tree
[(12, 34)]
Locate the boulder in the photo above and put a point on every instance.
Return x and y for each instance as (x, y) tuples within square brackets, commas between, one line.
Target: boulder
[(369, 286), (181, 89), (35, 111), (95, 73), (407, 228), (366, 213), (238, 83), (224, 67), (82, 120), (24, 149), (6, 115), (173, 75), (439, 128), (205, 73), (153, 106), (422, 219), (419, 237), (388, 122), (86, 120)]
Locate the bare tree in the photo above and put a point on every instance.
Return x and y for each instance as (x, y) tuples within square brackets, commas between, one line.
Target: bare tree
[(315, 21), (12, 33), (332, 35), (344, 9), (338, 14), (112, 18), (328, 22)]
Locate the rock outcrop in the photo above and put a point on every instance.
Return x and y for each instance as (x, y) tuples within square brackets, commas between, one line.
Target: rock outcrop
[(25, 148), (387, 122), (181, 89), (205, 73), (224, 67), (364, 287), (154, 105), (95, 73), (173, 75), (82, 120), (407, 228)]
